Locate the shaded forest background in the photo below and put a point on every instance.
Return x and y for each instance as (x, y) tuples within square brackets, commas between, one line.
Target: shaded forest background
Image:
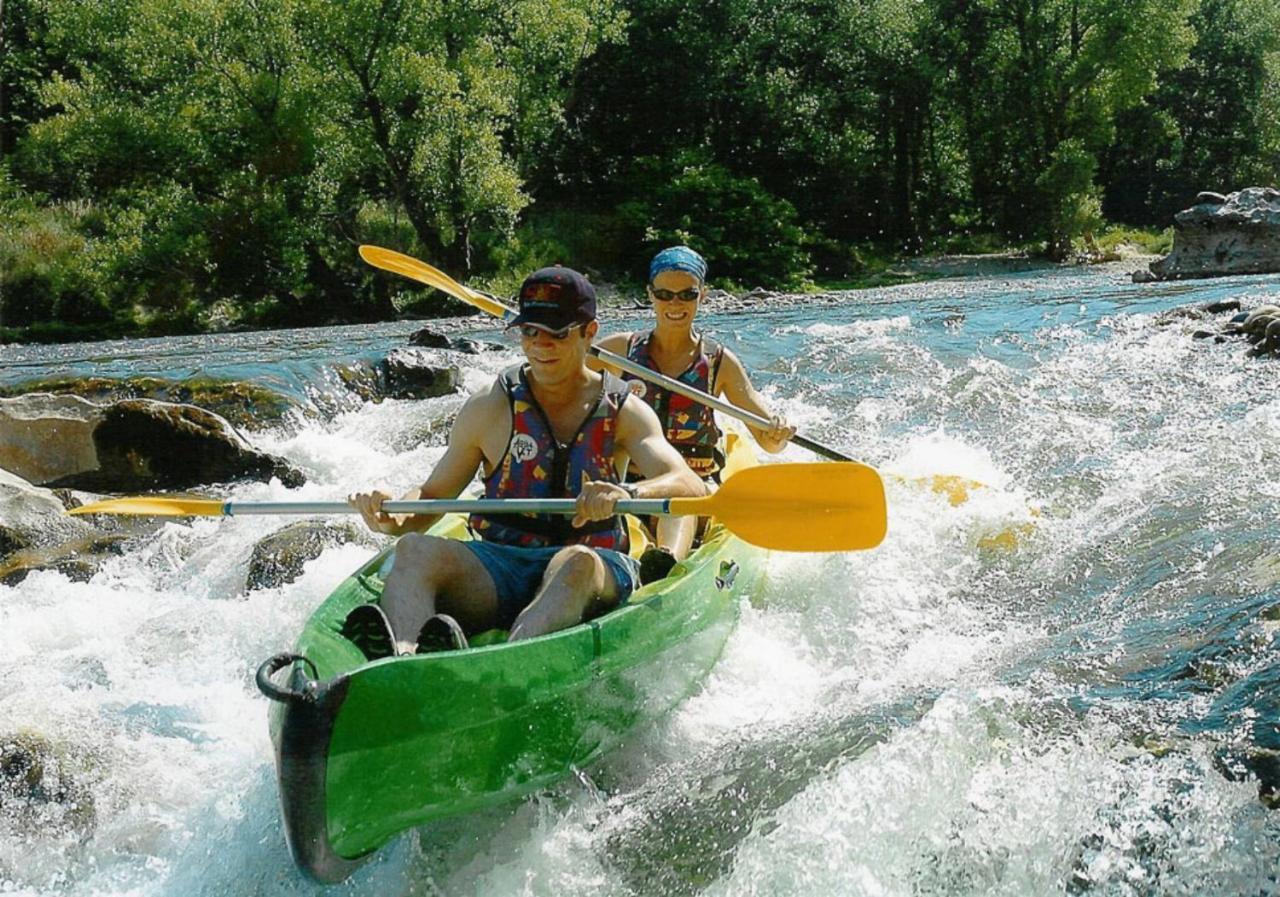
[(175, 165)]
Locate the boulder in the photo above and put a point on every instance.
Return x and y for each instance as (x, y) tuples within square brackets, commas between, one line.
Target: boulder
[(1238, 235), (244, 403), (278, 559), (45, 437), (433, 339), (36, 534), (40, 787), (77, 559), (419, 374), (1221, 306), (31, 517), (145, 446)]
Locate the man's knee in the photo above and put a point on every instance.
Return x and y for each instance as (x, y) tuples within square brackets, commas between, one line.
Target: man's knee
[(576, 562), (426, 555)]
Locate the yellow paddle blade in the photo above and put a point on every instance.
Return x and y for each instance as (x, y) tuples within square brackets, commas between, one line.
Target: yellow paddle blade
[(826, 506), (154, 507), (957, 489), (412, 268)]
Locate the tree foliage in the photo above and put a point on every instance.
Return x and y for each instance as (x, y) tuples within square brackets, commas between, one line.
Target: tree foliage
[(164, 156)]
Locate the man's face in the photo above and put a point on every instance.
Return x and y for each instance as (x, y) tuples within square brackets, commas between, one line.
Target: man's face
[(555, 356)]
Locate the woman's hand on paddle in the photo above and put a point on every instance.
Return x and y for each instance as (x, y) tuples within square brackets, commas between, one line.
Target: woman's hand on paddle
[(597, 500), (369, 504), (775, 439)]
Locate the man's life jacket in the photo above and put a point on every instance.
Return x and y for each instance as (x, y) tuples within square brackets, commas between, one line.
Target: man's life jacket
[(536, 466), (689, 426)]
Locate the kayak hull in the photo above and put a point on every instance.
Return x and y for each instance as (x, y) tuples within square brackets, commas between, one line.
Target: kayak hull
[(365, 751)]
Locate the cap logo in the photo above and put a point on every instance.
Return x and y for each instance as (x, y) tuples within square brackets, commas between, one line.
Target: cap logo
[(545, 292)]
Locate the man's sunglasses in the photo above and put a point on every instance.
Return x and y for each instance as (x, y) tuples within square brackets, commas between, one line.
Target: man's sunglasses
[(528, 331), (689, 295)]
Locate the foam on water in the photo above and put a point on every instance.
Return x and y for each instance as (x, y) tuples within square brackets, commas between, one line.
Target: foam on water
[(950, 713)]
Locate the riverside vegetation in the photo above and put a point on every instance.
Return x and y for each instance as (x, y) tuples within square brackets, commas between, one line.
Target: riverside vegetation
[(189, 165)]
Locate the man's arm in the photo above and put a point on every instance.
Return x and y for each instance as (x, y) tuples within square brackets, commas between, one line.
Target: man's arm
[(665, 473), (734, 384), (451, 474)]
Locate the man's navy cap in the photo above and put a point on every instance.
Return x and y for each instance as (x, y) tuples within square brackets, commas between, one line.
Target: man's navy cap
[(555, 299)]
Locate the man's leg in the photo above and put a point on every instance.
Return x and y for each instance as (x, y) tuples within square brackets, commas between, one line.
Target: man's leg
[(676, 535), (433, 575), (576, 578)]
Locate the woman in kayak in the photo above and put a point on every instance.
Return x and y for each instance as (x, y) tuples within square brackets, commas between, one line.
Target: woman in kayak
[(677, 286)]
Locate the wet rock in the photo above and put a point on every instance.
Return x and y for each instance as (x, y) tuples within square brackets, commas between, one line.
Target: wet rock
[(31, 517), (433, 339), (1269, 342), (36, 534), (77, 559), (1239, 235), (41, 788), (44, 437), (419, 374), (146, 446), (278, 559), (1256, 762), (1185, 313), (1222, 306), (244, 404), (362, 379)]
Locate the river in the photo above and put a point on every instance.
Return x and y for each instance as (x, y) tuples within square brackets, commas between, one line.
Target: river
[(943, 715)]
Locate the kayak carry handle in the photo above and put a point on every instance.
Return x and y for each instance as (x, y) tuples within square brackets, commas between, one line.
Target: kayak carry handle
[(283, 694)]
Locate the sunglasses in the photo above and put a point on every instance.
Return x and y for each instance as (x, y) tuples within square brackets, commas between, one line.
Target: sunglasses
[(689, 295), (528, 331)]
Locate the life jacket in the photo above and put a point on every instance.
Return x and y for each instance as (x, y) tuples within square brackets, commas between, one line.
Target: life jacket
[(536, 466), (689, 426)]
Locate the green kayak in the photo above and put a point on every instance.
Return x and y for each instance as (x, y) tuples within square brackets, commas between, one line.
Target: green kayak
[(367, 750)]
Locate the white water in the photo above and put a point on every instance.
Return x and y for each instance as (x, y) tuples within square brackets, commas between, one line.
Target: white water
[(934, 717)]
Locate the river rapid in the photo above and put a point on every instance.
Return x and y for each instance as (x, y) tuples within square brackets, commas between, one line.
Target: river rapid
[(1063, 709)]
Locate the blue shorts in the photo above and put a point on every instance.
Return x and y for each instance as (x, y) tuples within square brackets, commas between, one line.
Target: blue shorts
[(517, 573)]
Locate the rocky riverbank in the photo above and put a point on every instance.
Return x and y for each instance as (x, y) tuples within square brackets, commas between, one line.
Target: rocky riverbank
[(1222, 235), (67, 441)]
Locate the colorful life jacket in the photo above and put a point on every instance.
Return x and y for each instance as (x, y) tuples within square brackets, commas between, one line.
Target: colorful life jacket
[(536, 466), (689, 426)]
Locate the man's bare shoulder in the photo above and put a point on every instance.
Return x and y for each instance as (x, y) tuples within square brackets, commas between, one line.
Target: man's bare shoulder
[(636, 420), (484, 408)]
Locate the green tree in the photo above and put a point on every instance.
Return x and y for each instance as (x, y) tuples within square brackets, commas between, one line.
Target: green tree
[(1214, 124), (1040, 85), (442, 103)]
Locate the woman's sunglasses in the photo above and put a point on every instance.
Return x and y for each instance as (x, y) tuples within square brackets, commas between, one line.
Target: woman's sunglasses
[(689, 295)]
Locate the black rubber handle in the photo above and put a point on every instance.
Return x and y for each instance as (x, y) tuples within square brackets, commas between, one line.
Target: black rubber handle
[(273, 665)]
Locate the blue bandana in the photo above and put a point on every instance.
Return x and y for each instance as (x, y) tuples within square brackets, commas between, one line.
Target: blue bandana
[(678, 258)]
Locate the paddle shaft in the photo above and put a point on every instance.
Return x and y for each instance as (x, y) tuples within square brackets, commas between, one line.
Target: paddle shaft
[(419, 270), (673, 385), (448, 506)]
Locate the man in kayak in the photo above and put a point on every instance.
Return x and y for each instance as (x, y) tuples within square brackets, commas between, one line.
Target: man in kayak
[(677, 286), (548, 428)]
